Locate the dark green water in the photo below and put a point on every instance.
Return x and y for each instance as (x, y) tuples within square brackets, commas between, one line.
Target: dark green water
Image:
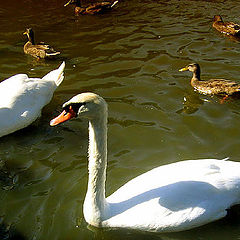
[(131, 57)]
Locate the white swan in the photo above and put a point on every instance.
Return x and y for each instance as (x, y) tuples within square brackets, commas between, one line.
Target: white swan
[(22, 99), (169, 198)]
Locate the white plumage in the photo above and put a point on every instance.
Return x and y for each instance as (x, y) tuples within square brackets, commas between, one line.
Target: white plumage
[(22, 99), (169, 198), (176, 196)]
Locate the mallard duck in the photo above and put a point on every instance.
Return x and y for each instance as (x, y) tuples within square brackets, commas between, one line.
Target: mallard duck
[(168, 198), (40, 50), (94, 8), (212, 86), (228, 28), (22, 99)]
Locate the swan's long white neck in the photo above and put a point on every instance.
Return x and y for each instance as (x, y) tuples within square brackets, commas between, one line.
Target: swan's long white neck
[(95, 204)]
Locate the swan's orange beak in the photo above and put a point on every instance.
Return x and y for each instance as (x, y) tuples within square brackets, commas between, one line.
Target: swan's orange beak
[(63, 117)]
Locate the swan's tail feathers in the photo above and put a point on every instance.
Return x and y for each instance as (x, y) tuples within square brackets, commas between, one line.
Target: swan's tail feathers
[(226, 159), (56, 75), (52, 54), (114, 3)]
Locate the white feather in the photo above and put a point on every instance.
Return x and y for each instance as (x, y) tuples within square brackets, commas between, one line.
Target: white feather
[(22, 99)]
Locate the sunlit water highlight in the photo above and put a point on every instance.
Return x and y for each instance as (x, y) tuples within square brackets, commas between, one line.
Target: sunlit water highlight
[(131, 57)]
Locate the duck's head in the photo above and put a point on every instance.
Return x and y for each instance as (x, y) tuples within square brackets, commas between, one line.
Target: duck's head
[(76, 2), (30, 34), (193, 67), (217, 18), (87, 105), (28, 31)]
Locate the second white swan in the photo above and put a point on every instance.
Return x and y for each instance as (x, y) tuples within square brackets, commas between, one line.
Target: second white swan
[(22, 98), (169, 198)]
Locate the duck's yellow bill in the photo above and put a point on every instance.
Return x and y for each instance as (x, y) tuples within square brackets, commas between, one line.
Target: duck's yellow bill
[(183, 69)]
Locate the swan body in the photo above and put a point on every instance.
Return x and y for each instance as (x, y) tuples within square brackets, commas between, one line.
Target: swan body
[(22, 99), (169, 198)]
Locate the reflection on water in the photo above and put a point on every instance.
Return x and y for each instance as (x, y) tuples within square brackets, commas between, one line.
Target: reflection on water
[(191, 103), (131, 57)]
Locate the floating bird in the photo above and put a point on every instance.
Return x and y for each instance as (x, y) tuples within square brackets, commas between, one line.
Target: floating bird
[(94, 8), (212, 86), (169, 198), (228, 28), (22, 99), (40, 50)]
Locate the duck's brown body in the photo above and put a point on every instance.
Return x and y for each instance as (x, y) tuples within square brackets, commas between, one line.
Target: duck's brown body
[(216, 86), (95, 8), (212, 86), (40, 50), (228, 28)]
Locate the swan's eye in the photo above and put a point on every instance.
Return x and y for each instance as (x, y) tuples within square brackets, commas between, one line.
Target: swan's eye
[(74, 107)]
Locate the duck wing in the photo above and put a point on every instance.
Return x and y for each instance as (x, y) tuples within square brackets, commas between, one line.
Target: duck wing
[(217, 86), (98, 7)]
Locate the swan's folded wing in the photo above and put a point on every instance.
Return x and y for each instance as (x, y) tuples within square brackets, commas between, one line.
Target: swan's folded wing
[(10, 88), (169, 199)]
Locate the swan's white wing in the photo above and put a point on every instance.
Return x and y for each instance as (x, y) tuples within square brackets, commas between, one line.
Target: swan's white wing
[(10, 88), (22, 99), (176, 197), (22, 102)]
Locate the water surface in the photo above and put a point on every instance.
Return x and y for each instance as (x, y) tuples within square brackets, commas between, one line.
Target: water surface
[(131, 57)]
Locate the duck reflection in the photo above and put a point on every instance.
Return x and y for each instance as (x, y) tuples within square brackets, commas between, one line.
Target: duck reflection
[(191, 103)]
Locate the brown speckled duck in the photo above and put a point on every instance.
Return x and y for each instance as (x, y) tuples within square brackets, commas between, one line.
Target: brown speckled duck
[(228, 28), (40, 50), (94, 8), (212, 86)]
